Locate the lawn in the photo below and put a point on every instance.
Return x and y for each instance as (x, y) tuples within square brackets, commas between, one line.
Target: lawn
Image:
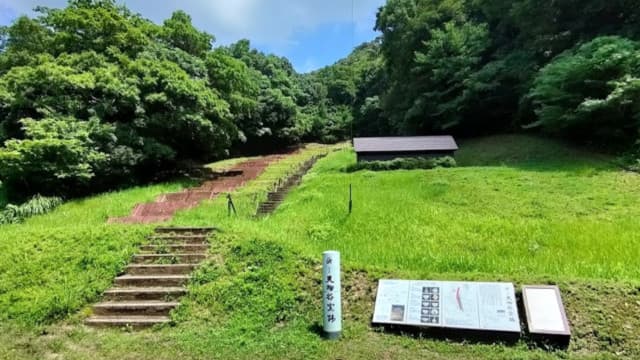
[(52, 265), (548, 210), (517, 209)]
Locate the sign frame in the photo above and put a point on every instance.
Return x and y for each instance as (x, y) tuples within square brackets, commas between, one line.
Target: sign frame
[(556, 335)]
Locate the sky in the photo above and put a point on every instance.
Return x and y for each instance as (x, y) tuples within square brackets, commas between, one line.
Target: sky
[(310, 33)]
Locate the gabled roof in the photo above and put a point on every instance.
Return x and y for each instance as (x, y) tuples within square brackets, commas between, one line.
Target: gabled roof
[(405, 144)]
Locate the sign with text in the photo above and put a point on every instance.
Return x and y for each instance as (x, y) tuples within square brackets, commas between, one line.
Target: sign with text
[(331, 295), (448, 304)]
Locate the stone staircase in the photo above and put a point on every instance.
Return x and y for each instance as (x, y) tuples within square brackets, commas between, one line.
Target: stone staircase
[(166, 205), (153, 283), (275, 197)]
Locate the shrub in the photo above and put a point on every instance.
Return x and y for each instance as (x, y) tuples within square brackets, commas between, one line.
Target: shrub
[(591, 92), (404, 164), (38, 205), (59, 155)]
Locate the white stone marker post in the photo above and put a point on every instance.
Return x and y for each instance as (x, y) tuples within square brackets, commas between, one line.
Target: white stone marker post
[(331, 297)]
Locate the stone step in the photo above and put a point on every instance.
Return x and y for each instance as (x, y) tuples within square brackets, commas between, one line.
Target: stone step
[(163, 208), (185, 230), (140, 308), (139, 219), (138, 293), (151, 280), (126, 321), (175, 248), (191, 195), (169, 258), (179, 239), (160, 269)]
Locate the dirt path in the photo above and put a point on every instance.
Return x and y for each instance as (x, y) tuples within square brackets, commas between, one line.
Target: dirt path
[(166, 205)]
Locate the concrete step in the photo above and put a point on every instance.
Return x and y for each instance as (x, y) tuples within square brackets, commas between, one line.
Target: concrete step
[(151, 280), (159, 269), (138, 293), (169, 258), (179, 196), (133, 308), (185, 230), (139, 219), (178, 241), (128, 321), (162, 208), (175, 248)]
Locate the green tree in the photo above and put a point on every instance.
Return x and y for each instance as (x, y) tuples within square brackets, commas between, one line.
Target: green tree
[(592, 92), (58, 155), (179, 32)]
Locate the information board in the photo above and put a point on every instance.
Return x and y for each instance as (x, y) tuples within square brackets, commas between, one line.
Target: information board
[(545, 312), (447, 304)]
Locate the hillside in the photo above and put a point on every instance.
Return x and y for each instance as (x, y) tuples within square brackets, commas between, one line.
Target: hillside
[(517, 209)]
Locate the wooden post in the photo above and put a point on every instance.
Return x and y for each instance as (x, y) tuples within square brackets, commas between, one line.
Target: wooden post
[(350, 199)]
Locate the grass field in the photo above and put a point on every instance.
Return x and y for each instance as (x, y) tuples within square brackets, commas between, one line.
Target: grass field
[(573, 220), (52, 265), (517, 209)]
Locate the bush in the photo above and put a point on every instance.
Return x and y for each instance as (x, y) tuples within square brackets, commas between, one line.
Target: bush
[(38, 205), (403, 164), (592, 92), (59, 156)]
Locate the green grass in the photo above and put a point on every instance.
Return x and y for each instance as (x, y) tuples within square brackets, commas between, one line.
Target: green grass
[(53, 265), (496, 220), (518, 209), (227, 164)]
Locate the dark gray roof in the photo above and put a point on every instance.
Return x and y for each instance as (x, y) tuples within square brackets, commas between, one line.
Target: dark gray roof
[(405, 143)]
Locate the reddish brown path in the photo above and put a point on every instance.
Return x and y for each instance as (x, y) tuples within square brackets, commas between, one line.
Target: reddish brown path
[(167, 205)]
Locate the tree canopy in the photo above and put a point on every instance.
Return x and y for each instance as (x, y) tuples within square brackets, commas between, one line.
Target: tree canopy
[(93, 96)]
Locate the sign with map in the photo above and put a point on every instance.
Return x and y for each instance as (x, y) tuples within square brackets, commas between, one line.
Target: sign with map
[(447, 304)]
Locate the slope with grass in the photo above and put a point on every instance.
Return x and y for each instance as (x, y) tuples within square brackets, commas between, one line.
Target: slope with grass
[(548, 210), (518, 209), (52, 265)]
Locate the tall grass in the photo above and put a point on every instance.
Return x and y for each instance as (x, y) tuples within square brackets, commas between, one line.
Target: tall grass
[(566, 218), (38, 205), (53, 265)]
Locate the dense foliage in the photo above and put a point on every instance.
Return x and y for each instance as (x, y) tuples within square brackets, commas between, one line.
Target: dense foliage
[(37, 205), (592, 92), (93, 97), (478, 66), (471, 67), (403, 164)]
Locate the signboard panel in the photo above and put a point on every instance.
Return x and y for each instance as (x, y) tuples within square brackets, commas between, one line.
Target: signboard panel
[(546, 316), (447, 304)]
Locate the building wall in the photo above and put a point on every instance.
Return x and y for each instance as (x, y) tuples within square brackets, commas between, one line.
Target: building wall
[(383, 156)]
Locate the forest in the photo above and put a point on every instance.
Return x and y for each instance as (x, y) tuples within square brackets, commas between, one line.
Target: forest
[(94, 97)]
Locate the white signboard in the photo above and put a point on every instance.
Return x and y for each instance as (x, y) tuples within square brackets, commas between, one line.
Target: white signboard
[(545, 312), (446, 304)]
